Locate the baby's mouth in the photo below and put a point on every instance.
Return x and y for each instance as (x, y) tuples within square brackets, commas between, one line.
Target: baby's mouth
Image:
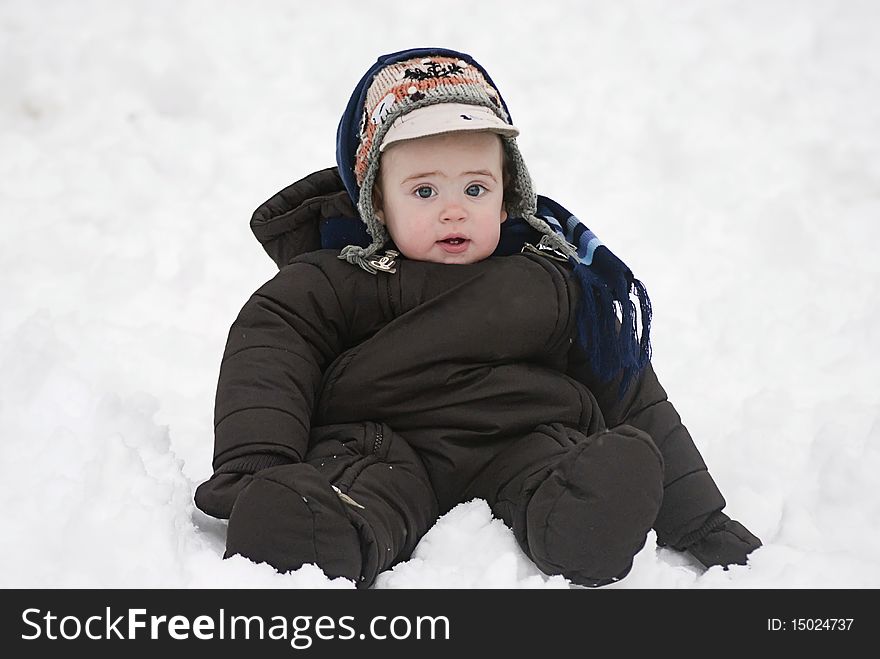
[(454, 244)]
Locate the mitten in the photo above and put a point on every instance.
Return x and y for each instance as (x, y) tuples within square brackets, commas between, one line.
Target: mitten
[(217, 495), (721, 541), (290, 515)]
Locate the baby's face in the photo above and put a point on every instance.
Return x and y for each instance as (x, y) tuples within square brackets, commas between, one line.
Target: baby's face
[(442, 196)]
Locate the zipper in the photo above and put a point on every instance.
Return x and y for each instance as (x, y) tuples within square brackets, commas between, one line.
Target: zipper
[(380, 437), (377, 444), (347, 499)]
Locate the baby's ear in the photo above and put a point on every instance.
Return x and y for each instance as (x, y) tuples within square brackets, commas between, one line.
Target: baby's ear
[(377, 204), (503, 215)]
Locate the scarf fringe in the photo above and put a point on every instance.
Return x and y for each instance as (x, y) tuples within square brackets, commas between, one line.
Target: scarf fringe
[(613, 334)]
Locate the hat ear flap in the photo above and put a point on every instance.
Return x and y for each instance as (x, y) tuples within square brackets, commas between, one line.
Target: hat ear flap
[(519, 195)]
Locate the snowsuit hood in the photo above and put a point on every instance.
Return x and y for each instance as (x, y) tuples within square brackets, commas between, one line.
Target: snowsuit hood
[(289, 223)]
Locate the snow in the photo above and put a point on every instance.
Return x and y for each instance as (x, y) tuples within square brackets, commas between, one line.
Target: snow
[(728, 151)]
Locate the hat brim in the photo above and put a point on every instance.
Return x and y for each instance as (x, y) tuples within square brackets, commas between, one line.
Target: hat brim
[(444, 118)]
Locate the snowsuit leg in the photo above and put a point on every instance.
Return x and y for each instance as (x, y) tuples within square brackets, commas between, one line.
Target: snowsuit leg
[(383, 504), (580, 506)]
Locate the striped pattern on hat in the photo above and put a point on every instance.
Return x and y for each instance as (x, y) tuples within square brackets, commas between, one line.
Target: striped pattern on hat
[(401, 88)]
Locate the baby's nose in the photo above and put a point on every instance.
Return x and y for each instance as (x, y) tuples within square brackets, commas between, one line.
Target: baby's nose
[(453, 211)]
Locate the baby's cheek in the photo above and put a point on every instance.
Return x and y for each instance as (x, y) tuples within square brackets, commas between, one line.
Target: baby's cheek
[(417, 241), (410, 246)]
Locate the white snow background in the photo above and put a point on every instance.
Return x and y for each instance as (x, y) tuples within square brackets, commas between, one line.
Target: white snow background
[(729, 151)]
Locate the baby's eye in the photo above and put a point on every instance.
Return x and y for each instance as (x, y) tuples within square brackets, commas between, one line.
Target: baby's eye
[(475, 190), (425, 192)]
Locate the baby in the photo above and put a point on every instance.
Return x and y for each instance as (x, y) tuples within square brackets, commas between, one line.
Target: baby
[(438, 332)]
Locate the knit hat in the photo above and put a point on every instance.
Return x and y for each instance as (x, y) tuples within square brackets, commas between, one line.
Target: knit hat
[(428, 92)]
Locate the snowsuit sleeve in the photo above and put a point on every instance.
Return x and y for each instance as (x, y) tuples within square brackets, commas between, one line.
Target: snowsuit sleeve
[(690, 495), (276, 352)]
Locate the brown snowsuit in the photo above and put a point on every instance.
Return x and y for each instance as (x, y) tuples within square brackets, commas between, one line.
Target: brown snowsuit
[(352, 409)]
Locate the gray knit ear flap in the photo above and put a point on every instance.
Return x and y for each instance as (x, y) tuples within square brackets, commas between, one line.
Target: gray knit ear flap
[(355, 254), (525, 201)]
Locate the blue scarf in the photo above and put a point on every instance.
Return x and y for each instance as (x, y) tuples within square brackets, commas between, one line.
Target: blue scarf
[(613, 334), (615, 338)]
